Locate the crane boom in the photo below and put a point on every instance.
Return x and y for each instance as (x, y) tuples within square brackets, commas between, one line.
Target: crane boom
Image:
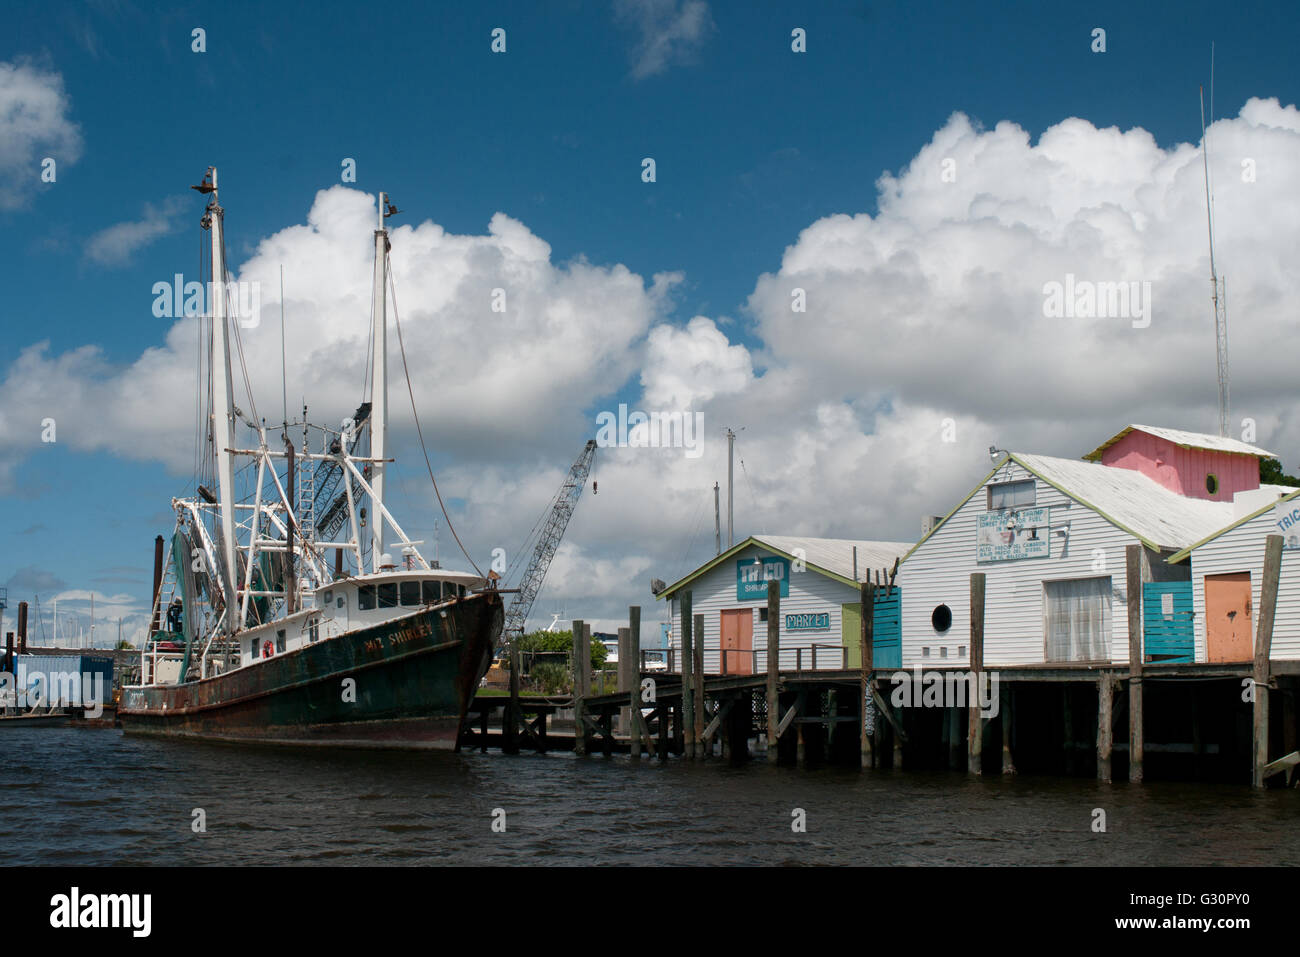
[(556, 521)]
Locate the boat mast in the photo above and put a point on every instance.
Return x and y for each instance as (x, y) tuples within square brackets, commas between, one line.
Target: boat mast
[(223, 403), (379, 396)]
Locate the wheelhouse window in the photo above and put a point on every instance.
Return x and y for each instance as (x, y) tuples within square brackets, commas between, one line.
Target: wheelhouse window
[(366, 597), (388, 595), (410, 592), (432, 591), (1011, 495), (279, 641), (1076, 619)]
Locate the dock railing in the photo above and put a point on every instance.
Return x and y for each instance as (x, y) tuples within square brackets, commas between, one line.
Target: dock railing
[(726, 662)]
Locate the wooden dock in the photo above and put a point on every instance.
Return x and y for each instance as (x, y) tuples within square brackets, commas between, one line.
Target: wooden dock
[(1202, 720)]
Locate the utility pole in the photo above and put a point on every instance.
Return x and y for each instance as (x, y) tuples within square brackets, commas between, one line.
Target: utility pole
[(731, 514), (717, 526)]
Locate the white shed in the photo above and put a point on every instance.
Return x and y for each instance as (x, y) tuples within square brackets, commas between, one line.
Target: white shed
[(819, 600), (1226, 571)]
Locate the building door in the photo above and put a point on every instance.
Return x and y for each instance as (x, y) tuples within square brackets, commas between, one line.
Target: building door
[(737, 641), (1228, 632), (851, 632), (886, 630)]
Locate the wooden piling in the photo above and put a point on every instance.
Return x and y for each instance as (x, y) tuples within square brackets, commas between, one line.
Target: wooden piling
[(1008, 726), (1067, 730), (773, 667), (687, 730), (634, 649), (1105, 729), (510, 717), (1133, 579), (661, 710), (1263, 648), (697, 676), (581, 676), (956, 739), (866, 606), (898, 740), (975, 721), (625, 666)]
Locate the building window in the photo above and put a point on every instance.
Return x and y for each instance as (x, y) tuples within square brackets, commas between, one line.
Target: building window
[(1212, 483), (1076, 619), (762, 613), (1011, 495), (925, 651), (941, 618)]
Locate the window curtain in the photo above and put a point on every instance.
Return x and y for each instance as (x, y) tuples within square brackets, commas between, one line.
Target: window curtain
[(1076, 619), (1011, 495)]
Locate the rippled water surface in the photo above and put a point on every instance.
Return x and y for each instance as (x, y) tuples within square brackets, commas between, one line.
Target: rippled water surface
[(96, 797)]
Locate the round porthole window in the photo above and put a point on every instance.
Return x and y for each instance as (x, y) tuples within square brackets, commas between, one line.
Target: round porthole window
[(1211, 483), (941, 618)]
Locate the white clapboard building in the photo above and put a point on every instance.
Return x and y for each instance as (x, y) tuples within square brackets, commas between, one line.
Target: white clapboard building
[(820, 581), (1226, 571), (1050, 534)]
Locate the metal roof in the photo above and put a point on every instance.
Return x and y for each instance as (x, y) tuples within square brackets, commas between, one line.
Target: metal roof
[(1140, 505), (832, 557), (836, 554), (1188, 440), (1285, 494)]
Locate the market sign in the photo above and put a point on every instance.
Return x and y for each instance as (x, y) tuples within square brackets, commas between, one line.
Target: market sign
[(1287, 518), (752, 577), (813, 621), (1012, 534)]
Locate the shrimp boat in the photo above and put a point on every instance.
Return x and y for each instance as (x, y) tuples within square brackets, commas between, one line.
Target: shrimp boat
[(256, 635)]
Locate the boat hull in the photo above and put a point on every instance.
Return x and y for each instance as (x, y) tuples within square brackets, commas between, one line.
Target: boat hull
[(404, 683)]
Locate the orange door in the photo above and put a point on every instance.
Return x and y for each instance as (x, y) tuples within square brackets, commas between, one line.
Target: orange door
[(737, 643), (1228, 632)]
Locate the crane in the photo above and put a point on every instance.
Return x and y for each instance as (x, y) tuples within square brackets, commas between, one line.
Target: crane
[(557, 519)]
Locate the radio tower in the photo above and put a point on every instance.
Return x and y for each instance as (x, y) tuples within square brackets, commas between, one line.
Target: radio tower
[(1218, 291)]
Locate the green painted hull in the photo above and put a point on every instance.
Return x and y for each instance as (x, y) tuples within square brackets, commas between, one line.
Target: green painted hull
[(405, 683)]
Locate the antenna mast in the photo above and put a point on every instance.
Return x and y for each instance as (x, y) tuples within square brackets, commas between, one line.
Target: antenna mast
[(1218, 292)]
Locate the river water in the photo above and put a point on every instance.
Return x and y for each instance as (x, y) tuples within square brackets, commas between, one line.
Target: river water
[(95, 797)]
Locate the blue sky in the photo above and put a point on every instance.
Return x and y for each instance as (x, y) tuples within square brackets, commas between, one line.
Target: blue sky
[(752, 143)]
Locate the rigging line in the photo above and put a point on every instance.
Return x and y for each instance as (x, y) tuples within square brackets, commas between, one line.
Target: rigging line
[(284, 375), (697, 521), (418, 431), (748, 484)]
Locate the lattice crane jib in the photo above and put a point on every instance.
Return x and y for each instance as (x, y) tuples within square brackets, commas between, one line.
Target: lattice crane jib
[(548, 542)]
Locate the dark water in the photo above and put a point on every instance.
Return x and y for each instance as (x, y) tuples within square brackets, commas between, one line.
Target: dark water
[(94, 797)]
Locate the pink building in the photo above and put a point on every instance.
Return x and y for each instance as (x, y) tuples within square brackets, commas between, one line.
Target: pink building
[(1189, 463)]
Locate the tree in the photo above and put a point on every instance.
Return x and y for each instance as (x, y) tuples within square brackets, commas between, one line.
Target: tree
[(561, 642), (1270, 473)]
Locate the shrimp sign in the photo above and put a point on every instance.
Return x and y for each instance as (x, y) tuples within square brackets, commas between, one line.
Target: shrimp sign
[(1010, 535), (752, 576)]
